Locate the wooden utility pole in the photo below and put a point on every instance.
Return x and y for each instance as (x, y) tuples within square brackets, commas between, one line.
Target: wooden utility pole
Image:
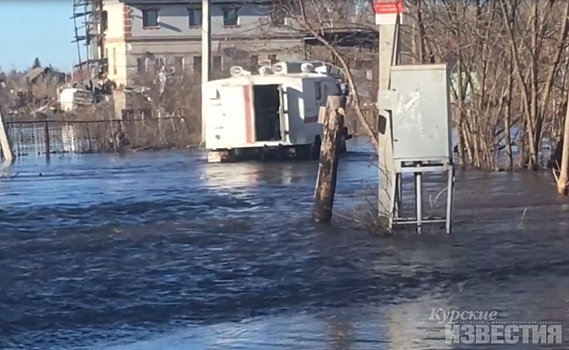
[(206, 59), (333, 130), (563, 179)]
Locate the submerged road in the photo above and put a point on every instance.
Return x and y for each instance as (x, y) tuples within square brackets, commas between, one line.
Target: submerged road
[(164, 251)]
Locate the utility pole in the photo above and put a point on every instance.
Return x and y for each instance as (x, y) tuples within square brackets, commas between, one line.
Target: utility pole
[(387, 18), (206, 59)]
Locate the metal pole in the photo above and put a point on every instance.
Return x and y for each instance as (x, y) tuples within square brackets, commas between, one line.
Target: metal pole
[(206, 60), (399, 195), (419, 200), (450, 190)]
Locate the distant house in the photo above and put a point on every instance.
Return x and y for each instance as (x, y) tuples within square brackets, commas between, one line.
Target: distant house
[(141, 36), (133, 40), (34, 75)]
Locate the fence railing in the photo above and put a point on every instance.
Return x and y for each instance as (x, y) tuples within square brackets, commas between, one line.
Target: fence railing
[(96, 136)]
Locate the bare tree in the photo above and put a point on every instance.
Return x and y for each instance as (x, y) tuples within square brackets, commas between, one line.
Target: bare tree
[(509, 60), (563, 178), (167, 113), (320, 18)]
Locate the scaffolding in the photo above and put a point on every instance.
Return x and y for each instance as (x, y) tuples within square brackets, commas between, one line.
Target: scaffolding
[(89, 21)]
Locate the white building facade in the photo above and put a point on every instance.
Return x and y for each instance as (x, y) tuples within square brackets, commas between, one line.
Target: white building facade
[(141, 36)]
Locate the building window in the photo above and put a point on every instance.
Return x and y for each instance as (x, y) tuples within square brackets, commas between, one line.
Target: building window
[(104, 21), (146, 113), (127, 115), (179, 64), (194, 17), (114, 60), (141, 65), (278, 16), (217, 63), (273, 58), (159, 63), (149, 18), (318, 91), (230, 16), (198, 64), (253, 62)]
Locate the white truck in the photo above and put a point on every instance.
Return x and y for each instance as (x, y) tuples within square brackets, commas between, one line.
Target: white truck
[(272, 114), (72, 98)]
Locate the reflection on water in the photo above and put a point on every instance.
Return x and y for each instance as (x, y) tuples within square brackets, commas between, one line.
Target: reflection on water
[(222, 176), (164, 251)]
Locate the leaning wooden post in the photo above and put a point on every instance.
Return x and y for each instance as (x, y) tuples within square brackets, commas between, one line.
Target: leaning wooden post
[(333, 128), (563, 179)]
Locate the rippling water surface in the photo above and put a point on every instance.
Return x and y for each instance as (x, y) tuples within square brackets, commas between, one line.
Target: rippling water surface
[(164, 251)]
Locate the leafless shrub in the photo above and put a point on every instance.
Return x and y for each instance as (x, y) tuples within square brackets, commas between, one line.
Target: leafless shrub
[(509, 63), (509, 59), (167, 113), (156, 116), (21, 98)]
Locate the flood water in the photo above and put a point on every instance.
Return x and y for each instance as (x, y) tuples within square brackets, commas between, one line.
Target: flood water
[(164, 251)]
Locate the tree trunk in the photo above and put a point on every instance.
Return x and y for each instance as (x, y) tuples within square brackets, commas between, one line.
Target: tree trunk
[(563, 179)]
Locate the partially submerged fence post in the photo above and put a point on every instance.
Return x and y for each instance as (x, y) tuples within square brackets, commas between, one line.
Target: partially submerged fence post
[(5, 142), (47, 141), (333, 129)]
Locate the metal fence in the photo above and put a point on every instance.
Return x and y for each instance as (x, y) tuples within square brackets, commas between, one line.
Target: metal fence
[(42, 138)]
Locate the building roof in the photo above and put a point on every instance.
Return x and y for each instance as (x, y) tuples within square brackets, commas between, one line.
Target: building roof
[(36, 72)]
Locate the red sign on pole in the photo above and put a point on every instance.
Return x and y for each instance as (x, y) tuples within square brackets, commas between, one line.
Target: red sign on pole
[(388, 7), (386, 11)]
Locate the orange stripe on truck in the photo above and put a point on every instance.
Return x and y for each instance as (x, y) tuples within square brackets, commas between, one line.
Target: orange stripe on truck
[(248, 114)]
